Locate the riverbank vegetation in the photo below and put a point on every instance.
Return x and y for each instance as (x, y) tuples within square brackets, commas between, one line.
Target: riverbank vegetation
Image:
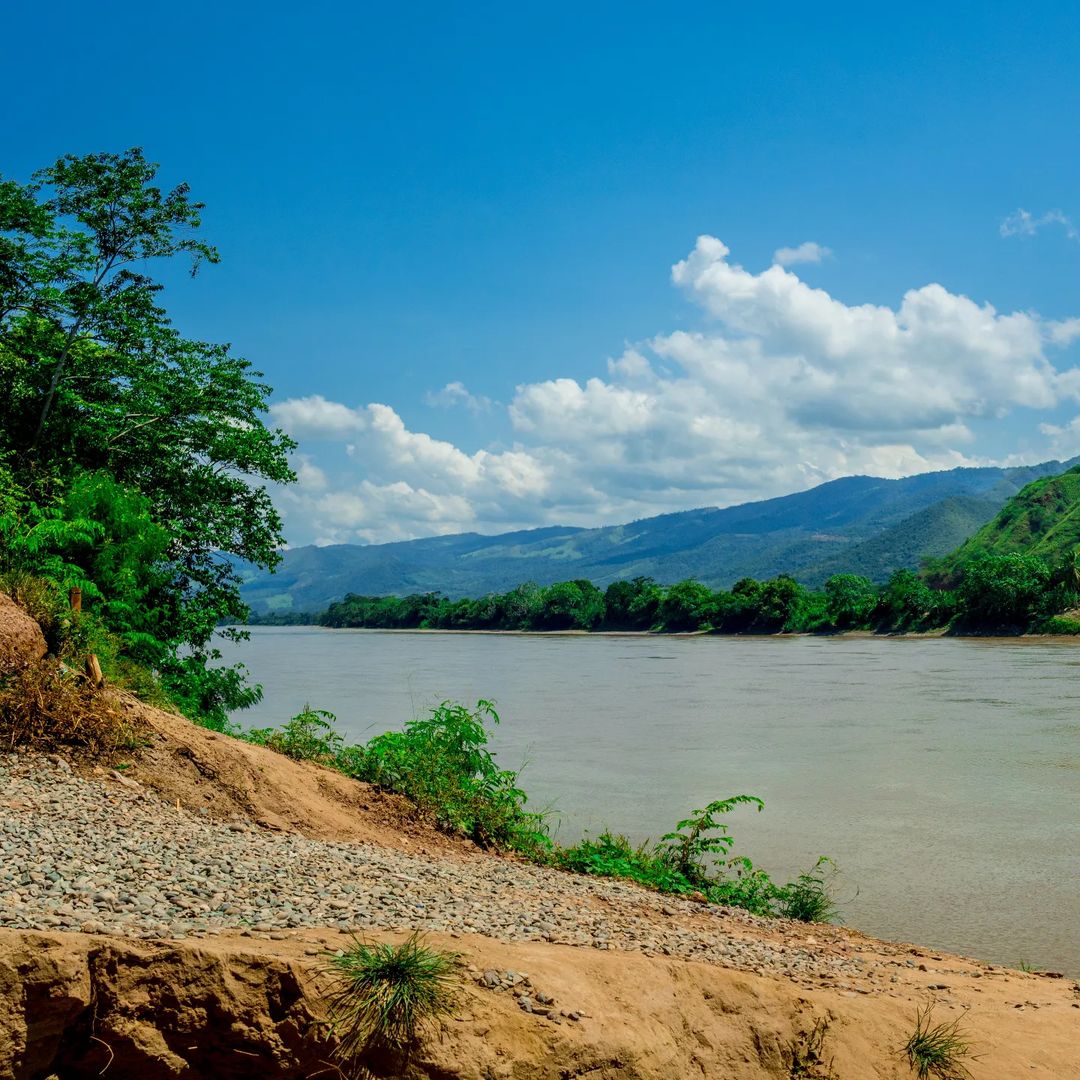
[(442, 763), (133, 459), (992, 593)]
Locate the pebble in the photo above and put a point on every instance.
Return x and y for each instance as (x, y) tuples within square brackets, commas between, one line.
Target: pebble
[(97, 856)]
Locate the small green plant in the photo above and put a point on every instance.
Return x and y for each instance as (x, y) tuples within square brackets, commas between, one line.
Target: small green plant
[(937, 1050), (699, 836), (383, 994), (614, 856), (809, 897), (308, 736), (1029, 969)]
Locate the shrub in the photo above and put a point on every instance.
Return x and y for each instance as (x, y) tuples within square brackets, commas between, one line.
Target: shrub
[(701, 835), (441, 762), (679, 864), (937, 1050), (614, 856), (383, 994)]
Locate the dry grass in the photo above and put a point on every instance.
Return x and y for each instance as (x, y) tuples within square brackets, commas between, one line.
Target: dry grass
[(46, 707)]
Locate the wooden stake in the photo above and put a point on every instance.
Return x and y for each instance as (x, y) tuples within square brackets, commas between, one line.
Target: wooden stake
[(93, 670), (75, 599)]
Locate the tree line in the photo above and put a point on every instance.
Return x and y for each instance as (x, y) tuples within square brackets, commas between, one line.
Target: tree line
[(1013, 593)]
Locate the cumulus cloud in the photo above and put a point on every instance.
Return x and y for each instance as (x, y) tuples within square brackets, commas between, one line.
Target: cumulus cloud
[(456, 394), (1024, 223), (807, 252), (782, 387), (315, 417)]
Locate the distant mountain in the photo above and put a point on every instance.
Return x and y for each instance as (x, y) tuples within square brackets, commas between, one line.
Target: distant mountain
[(932, 532), (861, 523), (1042, 519)]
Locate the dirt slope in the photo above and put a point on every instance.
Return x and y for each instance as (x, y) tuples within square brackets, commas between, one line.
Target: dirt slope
[(224, 777), (75, 1005), (21, 639)]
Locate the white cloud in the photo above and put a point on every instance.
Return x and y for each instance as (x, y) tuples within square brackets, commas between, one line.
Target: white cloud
[(807, 252), (315, 417), (455, 393), (1064, 332), (787, 386), (1024, 223)]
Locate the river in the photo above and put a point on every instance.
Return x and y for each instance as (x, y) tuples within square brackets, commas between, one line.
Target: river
[(942, 775)]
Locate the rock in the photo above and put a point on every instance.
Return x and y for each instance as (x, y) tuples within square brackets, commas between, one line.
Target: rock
[(21, 641)]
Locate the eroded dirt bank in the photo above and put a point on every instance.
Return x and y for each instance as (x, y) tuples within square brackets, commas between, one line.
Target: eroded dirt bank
[(74, 1005)]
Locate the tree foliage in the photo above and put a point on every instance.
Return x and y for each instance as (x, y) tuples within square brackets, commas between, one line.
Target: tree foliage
[(107, 410)]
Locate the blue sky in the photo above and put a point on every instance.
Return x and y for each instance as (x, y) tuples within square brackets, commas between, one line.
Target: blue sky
[(491, 198)]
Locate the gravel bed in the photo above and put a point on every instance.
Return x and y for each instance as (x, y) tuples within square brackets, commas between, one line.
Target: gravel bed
[(99, 857)]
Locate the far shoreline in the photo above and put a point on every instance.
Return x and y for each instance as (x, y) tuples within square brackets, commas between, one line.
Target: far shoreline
[(1063, 639)]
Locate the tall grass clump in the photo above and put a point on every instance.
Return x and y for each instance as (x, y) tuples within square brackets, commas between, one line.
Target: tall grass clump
[(937, 1050), (382, 995)]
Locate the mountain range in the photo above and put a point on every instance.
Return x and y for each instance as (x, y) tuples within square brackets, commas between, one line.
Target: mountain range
[(861, 524)]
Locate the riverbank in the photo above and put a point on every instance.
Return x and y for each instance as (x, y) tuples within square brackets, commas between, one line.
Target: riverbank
[(210, 877)]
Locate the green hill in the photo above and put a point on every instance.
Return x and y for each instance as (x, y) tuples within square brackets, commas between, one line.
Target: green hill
[(1041, 519), (930, 533), (860, 524)]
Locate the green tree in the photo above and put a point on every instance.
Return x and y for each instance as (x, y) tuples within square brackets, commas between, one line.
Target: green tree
[(1004, 590), (778, 603), (94, 379), (907, 602), (633, 604), (569, 605), (849, 600), (687, 605)]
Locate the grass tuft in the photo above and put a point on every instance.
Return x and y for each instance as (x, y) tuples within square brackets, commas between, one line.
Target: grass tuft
[(383, 994), (937, 1050), (809, 897)]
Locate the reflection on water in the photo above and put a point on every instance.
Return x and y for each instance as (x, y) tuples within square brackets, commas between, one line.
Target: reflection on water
[(942, 775)]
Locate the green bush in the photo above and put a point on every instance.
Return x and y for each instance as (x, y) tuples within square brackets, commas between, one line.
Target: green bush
[(700, 836), (809, 898), (681, 864), (442, 763), (614, 856)]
